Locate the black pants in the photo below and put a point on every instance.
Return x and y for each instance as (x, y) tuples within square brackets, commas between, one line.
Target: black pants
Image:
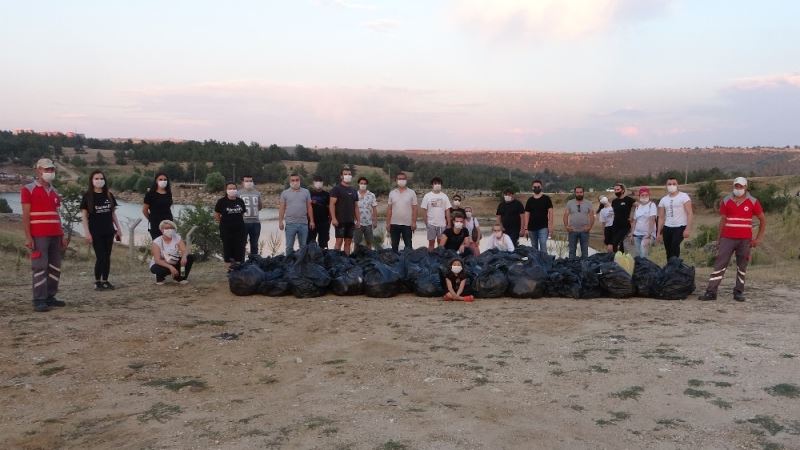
[(322, 233), (162, 272), (618, 235), (154, 223), (673, 236), (102, 251), (233, 242), (513, 233), (396, 232)]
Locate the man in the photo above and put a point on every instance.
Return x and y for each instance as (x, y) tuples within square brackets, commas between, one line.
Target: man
[(344, 211), (621, 226), (538, 221), (295, 208), (320, 201), (368, 214), (457, 208), (252, 200), (578, 220), (456, 238), (43, 234), (510, 214), (736, 236), (401, 215), (437, 206), (675, 217)]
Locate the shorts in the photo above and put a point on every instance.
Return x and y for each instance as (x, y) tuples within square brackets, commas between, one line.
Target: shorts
[(434, 232), (608, 233), (344, 230)]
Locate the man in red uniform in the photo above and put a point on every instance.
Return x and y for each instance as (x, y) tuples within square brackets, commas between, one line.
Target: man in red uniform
[(736, 236), (43, 234)]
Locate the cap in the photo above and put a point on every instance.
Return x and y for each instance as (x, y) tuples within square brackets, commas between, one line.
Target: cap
[(644, 190), (740, 180), (604, 199), (45, 163)]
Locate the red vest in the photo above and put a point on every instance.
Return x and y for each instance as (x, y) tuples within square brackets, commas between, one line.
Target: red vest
[(739, 217), (45, 220)]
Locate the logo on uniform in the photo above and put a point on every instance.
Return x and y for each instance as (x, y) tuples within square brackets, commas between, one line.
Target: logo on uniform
[(747, 208)]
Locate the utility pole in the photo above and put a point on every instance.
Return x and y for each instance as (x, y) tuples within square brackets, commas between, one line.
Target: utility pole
[(234, 172)]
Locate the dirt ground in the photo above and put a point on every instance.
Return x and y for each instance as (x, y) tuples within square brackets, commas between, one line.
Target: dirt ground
[(140, 367)]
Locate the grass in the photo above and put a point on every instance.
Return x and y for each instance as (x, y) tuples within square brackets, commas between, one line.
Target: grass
[(268, 379), (670, 354), (722, 384), (46, 362), (481, 380), (176, 384), (616, 416), (784, 390), (393, 445), (160, 412), (670, 423), (51, 371), (697, 393), (334, 362), (767, 423), (721, 404), (695, 383), (787, 355), (557, 372), (597, 368), (632, 392), (136, 365)]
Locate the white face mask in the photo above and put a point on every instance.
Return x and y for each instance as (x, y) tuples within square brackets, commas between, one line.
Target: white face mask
[(672, 188), (508, 198), (362, 187), (163, 183), (232, 193), (48, 176), (644, 199), (248, 185), (99, 183), (458, 225), (294, 184), (402, 183), (456, 202), (318, 185), (456, 269), (469, 214), (437, 187), (169, 232), (738, 192), (347, 178)]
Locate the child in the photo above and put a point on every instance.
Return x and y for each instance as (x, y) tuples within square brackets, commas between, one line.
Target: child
[(606, 213), (500, 240), (456, 280)]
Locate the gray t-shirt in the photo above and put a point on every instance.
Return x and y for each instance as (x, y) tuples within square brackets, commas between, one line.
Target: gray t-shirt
[(579, 214), (296, 205), (251, 200), (402, 204)]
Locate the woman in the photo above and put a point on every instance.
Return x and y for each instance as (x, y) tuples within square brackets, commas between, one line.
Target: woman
[(606, 214), (158, 204), (229, 214), (500, 240), (644, 223), (100, 226), (170, 256), (474, 229)]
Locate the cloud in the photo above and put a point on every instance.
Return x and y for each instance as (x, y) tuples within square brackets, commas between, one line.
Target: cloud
[(629, 131), (552, 19), (381, 25), (347, 4), (768, 82)]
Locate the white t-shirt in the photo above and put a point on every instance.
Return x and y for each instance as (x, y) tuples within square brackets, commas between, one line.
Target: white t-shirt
[(674, 212), (402, 204), (607, 216), (436, 203), (170, 252), (642, 212), (503, 244)]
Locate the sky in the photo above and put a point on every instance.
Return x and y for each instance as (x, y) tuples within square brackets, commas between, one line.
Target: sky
[(553, 75)]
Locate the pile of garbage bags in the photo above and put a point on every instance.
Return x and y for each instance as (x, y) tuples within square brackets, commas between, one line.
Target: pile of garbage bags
[(525, 273)]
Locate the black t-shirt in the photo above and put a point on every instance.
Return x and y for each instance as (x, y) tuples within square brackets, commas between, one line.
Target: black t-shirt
[(622, 212), (346, 198), (231, 212), (160, 205), (101, 222), (509, 214), (320, 200), (455, 279), (538, 207), (454, 240)]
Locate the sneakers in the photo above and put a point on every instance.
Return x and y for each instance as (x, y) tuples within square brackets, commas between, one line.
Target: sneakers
[(52, 301), (98, 286), (159, 281), (739, 296), (469, 298), (107, 285), (41, 307), (184, 281), (707, 296)]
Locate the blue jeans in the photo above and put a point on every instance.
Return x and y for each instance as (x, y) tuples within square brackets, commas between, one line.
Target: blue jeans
[(253, 233), (296, 230), (642, 250), (574, 236), (539, 239)]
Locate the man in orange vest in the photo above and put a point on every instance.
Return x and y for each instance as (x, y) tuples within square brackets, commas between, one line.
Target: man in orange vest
[(43, 234)]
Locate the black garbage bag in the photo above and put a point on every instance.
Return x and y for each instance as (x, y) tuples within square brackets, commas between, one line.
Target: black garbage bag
[(615, 280), (245, 279), (348, 282), (535, 257), (525, 280), (646, 277), (308, 279), (422, 272), (492, 282), (277, 287), (564, 279), (677, 281), (380, 280)]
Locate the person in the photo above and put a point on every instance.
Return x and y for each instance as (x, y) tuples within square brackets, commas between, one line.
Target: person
[(473, 226), (401, 215), (43, 234), (295, 215), (500, 240), (368, 214), (455, 282), (538, 221), (644, 223), (457, 208), (158, 203), (605, 213), (252, 223), (229, 214), (511, 214), (578, 220), (320, 200), (344, 211), (457, 237), (100, 226), (736, 237), (170, 257), (437, 216), (675, 217), (621, 226)]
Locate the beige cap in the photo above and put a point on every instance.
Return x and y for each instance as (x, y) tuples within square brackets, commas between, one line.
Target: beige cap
[(740, 180), (45, 163)]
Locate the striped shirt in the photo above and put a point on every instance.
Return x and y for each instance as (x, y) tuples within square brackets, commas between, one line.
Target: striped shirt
[(739, 217), (44, 202)]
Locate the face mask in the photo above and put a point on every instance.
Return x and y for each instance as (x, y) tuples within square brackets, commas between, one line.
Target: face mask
[(469, 214), (293, 184), (644, 199), (458, 225), (579, 197), (248, 185), (618, 194), (318, 185), (437, 187), (98, 183), (362, 187), (671, 188), (48, 176), (498, 234), (456, 269), (163, 183), (169, 232), (537, 190), (347, 178), (508, 198), (456, 202), (738, 192), (232, 193), (402, 183)]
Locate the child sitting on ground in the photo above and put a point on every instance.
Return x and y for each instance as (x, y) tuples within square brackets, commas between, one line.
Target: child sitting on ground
[(456, 281)]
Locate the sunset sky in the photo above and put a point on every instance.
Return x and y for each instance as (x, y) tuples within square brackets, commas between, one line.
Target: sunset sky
[(574, 75)]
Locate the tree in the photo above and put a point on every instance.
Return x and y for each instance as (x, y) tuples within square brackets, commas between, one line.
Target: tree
[(173, 170), (501, 184), (99, 160), (5, 208), (708, 193), (78, 161), (215, 182), (142, 184), (305, 154), (120, 158), (378, 183), (70, 211), (205, 239)]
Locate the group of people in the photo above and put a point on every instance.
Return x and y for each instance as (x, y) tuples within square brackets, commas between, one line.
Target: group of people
[(307, 215)]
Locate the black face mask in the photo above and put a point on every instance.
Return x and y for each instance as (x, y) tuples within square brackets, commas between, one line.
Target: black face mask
[(579, 197), (537, 190)]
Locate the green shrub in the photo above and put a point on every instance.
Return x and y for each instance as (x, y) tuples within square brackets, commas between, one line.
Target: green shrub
[(4, 206), (205, 239), (215, 182), (708, 193), (771, 197)]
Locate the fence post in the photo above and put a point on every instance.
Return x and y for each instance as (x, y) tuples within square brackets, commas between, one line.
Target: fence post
[(189, 239), (132, 224)]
